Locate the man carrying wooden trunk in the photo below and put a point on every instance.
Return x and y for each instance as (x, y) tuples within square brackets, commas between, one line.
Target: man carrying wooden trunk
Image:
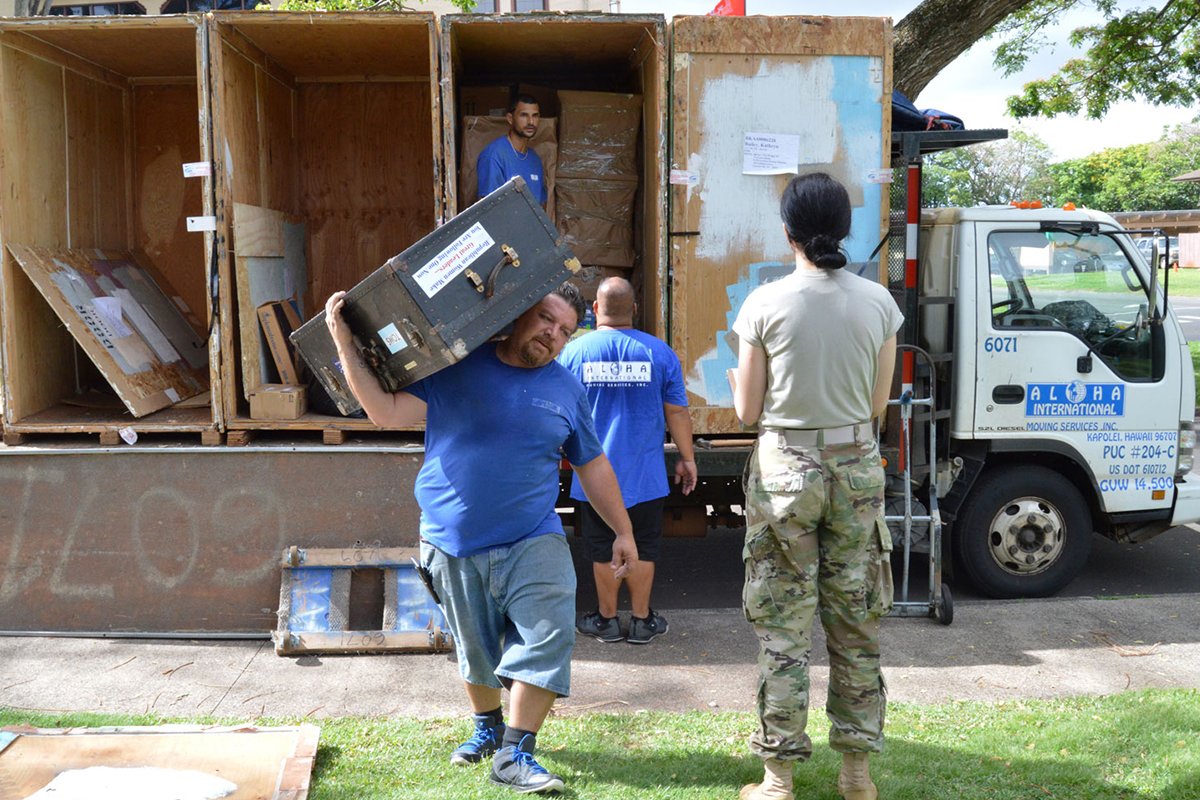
[(496, 423)]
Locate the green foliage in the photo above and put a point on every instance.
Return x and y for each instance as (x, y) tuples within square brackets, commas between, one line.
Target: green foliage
[(364, 5), (1138, 52), (993, 173), (1115, 747), (1133, 178)]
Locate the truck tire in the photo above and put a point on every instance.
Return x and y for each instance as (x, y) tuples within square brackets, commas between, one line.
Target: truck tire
[(1025, 531)]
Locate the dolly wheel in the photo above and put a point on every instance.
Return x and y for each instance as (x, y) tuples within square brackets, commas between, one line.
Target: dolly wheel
[(943, 610)]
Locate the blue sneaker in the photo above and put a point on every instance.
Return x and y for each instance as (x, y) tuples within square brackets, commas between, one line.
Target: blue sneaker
[(485, 741), (515, 767)]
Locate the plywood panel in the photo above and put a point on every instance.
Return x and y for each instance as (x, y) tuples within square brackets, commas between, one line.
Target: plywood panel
[(96, 115), (366, 188), (261, 763), (277, 144), (129, 329), (33, 209), (166, 135), (725, 229), (238, 142)]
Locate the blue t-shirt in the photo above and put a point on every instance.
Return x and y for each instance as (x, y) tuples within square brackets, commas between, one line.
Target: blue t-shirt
[(499, 162), (628, 375), (492, 440)]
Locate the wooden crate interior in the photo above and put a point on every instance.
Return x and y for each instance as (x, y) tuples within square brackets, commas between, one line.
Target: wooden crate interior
[(97, 120), (607, 53), (330, 120)]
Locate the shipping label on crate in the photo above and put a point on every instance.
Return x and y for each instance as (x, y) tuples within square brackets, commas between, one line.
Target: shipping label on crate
[(393, 338), (456, 257)]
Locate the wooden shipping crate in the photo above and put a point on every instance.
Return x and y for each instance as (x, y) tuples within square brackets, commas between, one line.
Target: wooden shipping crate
[(819, 87), (623, 53), (97, 122), (328, 128)]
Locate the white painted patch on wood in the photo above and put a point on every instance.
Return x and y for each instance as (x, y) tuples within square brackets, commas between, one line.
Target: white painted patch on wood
[(783, 98)]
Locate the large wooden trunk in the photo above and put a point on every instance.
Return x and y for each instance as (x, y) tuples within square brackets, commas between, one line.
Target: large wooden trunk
[(746, 91), (98, 120), (433, 304), (328, 134)]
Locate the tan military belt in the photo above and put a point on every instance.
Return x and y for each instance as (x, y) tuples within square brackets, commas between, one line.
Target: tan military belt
[(818, 437)]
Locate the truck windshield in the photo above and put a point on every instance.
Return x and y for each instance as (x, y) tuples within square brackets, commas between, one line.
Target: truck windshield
[(1084, 285)]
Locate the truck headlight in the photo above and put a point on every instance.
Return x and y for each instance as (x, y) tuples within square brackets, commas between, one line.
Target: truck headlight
[(1187, 447)]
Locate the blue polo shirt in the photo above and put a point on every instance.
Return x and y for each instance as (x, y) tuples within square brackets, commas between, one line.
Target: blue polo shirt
[(494, 437), (499, 162), (628, 375)]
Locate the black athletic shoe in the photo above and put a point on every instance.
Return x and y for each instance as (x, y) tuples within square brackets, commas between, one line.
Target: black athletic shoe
[(514, 767), (642, 631), (606, 629)]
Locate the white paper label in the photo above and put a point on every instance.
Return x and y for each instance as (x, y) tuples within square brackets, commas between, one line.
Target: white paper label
[(197, 169), (393, 338), (199, 224), (881, 175), (450, 263), (770, 153), (172, 394), (683, 177), (109, 308)]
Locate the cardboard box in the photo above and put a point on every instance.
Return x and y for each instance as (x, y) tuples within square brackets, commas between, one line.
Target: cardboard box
[(483, 101), (479, 132), (596, 220), (598, 134), (278, 319), (278, 401), (547, 98)]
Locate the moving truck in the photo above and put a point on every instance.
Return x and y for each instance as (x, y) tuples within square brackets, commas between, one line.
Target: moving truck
[(236, 160)]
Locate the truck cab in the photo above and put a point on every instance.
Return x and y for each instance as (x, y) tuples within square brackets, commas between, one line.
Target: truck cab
[(1068, 392)]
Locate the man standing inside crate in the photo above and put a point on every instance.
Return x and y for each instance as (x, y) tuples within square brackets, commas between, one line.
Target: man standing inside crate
[(497, 424), (635, 387), (511, 154)]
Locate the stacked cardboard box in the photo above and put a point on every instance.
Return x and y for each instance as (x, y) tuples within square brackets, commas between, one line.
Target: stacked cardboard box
[(597, 178)]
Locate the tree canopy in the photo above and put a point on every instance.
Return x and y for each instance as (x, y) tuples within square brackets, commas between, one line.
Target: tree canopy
[(1132, 178), (1132, 50)]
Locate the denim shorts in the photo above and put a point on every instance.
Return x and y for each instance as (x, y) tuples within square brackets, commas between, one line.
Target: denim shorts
[(511, 610)]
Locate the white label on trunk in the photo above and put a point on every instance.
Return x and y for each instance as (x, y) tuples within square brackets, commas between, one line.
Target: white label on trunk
[(449, 264)]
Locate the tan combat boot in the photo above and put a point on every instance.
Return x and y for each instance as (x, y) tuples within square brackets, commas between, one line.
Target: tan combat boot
[(854, 782), (776, 785)]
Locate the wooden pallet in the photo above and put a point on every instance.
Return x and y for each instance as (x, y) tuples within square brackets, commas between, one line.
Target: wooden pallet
[(358, 599)]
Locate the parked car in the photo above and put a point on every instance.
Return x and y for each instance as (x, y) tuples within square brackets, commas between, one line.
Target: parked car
[(1145, 244)]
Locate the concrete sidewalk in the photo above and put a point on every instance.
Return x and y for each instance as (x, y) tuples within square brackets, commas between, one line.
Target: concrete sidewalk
[(993, 651)]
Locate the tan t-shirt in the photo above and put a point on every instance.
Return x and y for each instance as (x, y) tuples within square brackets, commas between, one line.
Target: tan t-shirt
[(821, 332)]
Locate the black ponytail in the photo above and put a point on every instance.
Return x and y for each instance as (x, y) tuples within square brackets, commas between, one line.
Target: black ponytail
[(816, 215)]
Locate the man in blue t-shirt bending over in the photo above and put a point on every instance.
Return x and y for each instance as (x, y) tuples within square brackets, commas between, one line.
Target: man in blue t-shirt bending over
[(635, 387), (495, 425), (511, 155)]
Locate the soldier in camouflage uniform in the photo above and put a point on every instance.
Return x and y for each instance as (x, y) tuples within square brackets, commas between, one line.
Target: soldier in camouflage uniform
[(815, 358)]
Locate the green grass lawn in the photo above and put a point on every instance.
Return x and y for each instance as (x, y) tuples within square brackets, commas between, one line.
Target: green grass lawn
[(1194, 347), (1134, 745)]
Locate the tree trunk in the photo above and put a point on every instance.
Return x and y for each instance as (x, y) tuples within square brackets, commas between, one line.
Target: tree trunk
[(938, 31)]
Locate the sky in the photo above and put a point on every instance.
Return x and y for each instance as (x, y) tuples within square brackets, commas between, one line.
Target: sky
[(971, 87)]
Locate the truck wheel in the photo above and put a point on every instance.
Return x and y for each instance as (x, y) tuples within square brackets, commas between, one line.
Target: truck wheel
[(1025, 531)]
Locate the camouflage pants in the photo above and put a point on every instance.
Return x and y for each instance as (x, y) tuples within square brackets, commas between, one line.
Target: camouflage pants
[(816, 538)]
